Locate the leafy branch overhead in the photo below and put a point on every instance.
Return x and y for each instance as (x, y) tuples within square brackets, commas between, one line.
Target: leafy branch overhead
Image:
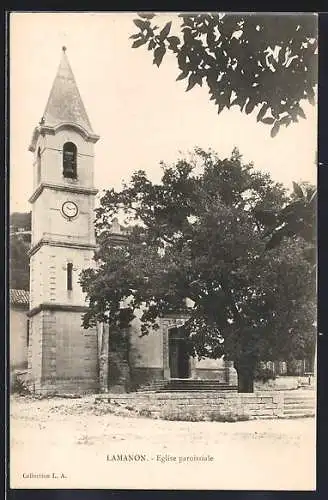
[(266, 63)]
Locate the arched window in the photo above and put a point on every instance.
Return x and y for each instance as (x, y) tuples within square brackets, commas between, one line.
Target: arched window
[(38, 165), (69, 160)]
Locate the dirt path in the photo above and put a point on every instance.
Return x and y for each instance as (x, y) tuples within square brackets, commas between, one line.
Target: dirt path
[(63, 443)]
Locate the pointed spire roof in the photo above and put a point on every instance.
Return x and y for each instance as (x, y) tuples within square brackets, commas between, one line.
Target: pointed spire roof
[(65, 106), (65, 103)]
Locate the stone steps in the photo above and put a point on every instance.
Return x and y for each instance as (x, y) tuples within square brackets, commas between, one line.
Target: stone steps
[(299, 405), (299, 412), (292, 401), (205, 388), (184, 385)]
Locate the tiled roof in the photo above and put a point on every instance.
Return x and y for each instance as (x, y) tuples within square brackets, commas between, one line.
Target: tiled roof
[(20, 297)]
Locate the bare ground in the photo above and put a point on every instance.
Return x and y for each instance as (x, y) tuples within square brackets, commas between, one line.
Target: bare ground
[(70, 443)]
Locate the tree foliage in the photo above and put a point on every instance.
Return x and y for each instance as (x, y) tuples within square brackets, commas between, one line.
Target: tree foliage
[(18, 250), (297, 218), (19, 263), (20, 220), (266, 62), (196, 245)]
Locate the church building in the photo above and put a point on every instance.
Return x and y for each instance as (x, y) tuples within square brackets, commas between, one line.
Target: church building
[(63, 356)]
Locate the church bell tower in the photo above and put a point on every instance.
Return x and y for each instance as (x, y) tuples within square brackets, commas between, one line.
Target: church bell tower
[(62, 354)]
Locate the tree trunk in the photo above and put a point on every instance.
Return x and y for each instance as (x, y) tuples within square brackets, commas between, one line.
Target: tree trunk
[(103, 358), (245, 371)]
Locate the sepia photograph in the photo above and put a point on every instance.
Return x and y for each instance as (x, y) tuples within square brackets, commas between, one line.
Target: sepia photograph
[(162, 323)]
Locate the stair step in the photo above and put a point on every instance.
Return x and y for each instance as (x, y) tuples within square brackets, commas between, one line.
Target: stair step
[(196, 390), (300, 402), (187, 381), (296, 400), (297, 415), (186, 385), (197, 385), (300, 415), (298, 410)]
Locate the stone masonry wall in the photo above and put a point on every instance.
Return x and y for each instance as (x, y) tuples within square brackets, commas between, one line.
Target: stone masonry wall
[(18, 338), (65, 355), (76, 354), (252, 405), (143, 375)]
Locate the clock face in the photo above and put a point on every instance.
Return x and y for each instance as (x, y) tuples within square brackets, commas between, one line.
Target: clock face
[(70, 209)]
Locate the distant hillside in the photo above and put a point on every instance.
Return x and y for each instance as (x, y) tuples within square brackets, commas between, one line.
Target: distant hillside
[(21, 220)]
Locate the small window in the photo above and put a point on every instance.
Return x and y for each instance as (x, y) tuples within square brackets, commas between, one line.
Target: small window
[(69, 160), (38, 165), (69, 271)]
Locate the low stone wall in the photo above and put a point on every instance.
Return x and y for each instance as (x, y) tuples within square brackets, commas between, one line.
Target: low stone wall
[(251, 405), (58, 386)]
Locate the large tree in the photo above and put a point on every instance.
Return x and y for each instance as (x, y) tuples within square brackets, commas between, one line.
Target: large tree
[(262, 62), (196, 236)]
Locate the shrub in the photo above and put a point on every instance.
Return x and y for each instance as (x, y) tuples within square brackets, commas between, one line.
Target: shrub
[(201, 416), (262, 374), (19, 386), (144, 412), (229, 417), (181, 415)]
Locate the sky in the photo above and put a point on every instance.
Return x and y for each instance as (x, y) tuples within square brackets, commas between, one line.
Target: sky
[(141, 113)]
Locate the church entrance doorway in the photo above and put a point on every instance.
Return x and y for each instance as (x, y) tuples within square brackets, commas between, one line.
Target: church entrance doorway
[(179, 360)]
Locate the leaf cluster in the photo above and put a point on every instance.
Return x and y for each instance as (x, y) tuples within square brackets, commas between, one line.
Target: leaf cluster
[(296, 219), (262, 62)]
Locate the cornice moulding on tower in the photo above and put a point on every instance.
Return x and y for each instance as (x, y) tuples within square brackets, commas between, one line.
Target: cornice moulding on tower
[(52, 130), (47, 306), (61, 187), (58, 243)]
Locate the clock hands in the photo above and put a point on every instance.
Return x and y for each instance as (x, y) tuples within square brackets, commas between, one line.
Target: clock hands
[(69, 209)]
